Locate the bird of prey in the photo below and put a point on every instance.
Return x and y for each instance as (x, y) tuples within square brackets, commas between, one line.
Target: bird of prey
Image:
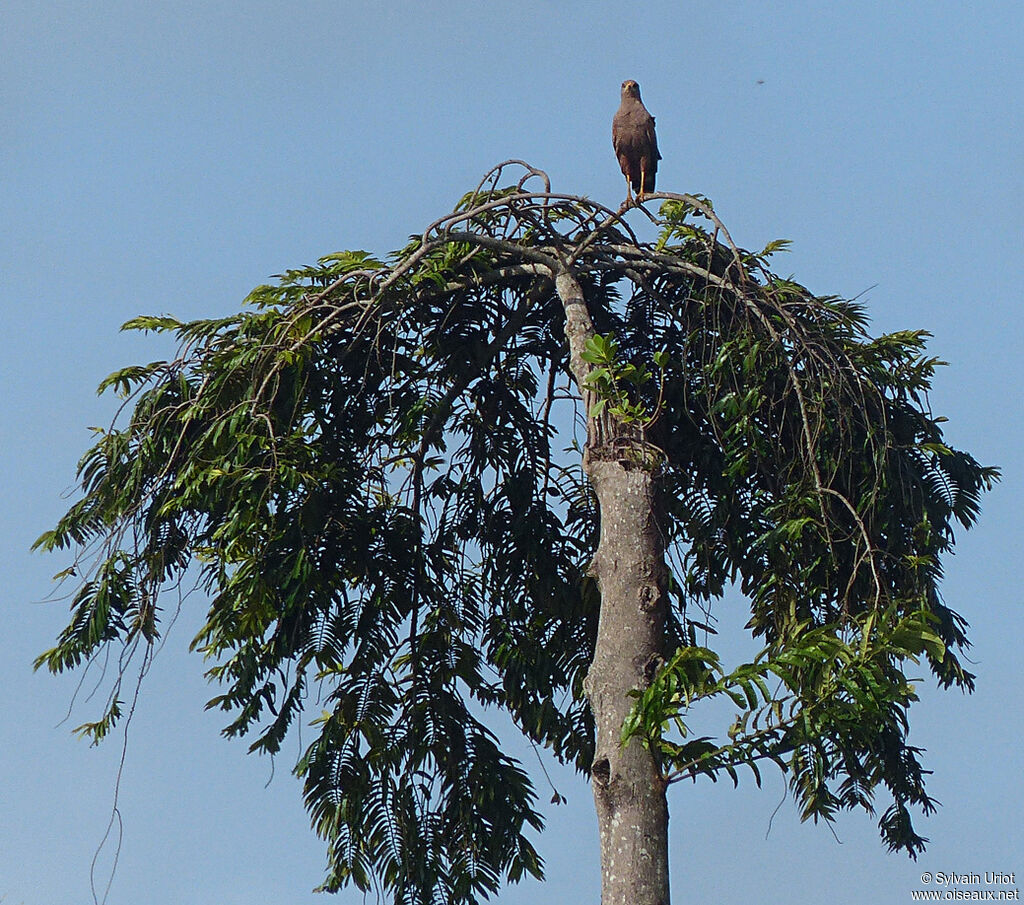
[(634, 141)]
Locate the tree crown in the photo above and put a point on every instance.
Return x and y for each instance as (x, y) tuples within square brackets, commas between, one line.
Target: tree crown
[(373, 471)]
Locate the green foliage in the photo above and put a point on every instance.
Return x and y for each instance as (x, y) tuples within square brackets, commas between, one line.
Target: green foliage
[(359, 471), (610, 381), (836, 720), (369, 501)]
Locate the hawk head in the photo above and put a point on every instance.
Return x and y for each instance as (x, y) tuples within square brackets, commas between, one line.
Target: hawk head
[(630, 89)]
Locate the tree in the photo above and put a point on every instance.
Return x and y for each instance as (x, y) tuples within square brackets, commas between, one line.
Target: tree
[(510, 467)]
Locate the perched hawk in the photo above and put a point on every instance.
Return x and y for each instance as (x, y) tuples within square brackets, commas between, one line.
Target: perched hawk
[(634, 141)]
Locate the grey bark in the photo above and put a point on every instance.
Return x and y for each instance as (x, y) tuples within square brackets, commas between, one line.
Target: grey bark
[(629, 566)]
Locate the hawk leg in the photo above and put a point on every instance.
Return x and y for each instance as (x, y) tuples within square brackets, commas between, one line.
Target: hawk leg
[(643, 175)]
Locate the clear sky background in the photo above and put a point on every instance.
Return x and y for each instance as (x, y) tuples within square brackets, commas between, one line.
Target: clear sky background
[(168, 156)]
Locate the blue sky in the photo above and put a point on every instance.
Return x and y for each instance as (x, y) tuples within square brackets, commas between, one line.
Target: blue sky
[(166, 157)]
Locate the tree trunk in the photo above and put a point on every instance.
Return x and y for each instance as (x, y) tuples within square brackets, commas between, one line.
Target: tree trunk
[(629, 567)]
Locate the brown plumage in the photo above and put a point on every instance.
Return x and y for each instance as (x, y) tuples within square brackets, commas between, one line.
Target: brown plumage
[(634, 141)]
